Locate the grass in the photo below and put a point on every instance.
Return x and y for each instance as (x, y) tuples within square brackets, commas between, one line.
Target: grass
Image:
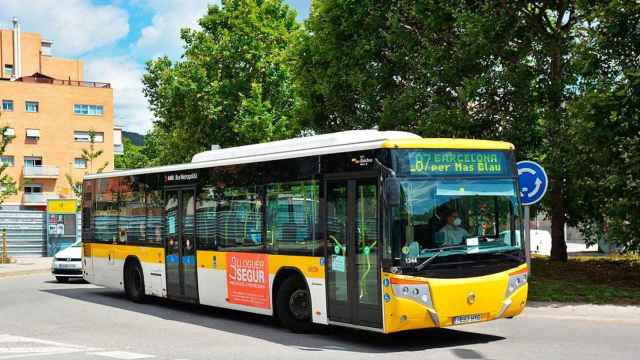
[(594, 279)]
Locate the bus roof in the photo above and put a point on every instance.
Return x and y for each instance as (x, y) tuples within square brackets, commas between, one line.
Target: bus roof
[(345, 141)]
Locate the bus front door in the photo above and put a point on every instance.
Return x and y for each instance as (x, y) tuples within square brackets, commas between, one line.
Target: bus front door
[(180, 247), (353, 269)]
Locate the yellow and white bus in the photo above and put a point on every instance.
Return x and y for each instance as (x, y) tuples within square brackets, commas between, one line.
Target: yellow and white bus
[(377, 230)]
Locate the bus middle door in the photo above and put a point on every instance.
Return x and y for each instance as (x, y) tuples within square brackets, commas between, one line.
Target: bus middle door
[(180, 247)]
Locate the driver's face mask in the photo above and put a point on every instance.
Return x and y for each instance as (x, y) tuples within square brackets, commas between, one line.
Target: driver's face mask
[(457, 221)]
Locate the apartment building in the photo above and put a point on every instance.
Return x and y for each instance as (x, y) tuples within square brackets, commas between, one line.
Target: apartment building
[(50, 110)]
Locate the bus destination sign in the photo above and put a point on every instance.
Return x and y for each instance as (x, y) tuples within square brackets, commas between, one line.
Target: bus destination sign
[(454, 163)]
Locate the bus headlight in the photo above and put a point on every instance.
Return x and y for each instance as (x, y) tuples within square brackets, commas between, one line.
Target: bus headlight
[(516, 281), (417, 291)]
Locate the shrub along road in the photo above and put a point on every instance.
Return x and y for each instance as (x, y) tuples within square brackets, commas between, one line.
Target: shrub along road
[(586, 279)]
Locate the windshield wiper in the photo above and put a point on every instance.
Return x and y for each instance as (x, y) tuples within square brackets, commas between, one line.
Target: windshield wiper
[(440, 251)]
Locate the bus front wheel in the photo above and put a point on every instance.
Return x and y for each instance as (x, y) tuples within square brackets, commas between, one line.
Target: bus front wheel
[(293, 304), (134, 282)]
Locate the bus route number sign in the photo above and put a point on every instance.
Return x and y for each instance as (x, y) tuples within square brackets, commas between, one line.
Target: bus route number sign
[(458, 163)]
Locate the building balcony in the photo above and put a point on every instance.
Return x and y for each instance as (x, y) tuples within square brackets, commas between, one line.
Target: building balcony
[(41, 172), (38, 198)]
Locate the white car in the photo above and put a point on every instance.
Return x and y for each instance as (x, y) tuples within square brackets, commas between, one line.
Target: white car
[(67, 263)]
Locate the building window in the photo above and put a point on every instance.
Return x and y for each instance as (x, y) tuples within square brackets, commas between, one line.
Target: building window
[(32, 106), (10, 132), (80, 163), (84, 136), (93, 110), (30, 161), (8, 70), (8, 160), (33, 188), (7, 105), (33, 134)]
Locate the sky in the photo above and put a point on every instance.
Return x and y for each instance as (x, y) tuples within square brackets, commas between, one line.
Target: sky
[(114, 38)]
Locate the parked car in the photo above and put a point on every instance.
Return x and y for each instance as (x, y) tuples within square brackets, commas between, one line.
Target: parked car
[(67, 263)]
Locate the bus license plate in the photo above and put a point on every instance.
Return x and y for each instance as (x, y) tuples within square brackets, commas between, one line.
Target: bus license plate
[(465, 319)]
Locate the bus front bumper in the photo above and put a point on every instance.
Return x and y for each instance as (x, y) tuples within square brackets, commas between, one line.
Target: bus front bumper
[(417, 303)]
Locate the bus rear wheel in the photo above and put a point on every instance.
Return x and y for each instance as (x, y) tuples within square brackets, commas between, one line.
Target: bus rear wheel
[(293, 304), (134, 282)]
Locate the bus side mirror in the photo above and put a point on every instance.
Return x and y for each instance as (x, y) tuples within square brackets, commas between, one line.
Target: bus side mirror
[(392, 196)]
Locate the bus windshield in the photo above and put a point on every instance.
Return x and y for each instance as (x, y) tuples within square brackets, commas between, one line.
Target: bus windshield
[(449, 217)]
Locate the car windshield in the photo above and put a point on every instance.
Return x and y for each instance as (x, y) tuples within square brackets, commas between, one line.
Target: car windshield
[(461, 216)]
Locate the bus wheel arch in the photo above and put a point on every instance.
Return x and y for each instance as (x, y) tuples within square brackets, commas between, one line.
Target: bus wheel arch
[(133, 279), (292, 300)]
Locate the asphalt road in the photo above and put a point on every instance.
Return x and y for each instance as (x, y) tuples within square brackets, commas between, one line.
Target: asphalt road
[(41, 319)]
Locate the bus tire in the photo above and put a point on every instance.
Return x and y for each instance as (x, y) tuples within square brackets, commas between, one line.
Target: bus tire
[(62, 279), (134, 282), (293, 304)]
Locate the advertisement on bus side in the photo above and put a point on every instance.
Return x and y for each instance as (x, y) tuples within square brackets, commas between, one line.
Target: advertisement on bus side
[(248, 279)]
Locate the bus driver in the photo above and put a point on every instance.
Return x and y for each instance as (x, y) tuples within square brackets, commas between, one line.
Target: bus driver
[(453, 233)]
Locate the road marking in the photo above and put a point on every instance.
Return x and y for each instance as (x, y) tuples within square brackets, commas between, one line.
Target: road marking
[(123, 355), (12, 347)]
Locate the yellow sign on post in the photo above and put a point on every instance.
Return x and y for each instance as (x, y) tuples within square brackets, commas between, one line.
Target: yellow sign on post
[(62, 206)]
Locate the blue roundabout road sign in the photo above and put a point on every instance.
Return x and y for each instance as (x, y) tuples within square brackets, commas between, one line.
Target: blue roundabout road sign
[(533, 182)]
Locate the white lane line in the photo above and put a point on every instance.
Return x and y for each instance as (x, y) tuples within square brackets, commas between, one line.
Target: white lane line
[(123, 355), (12, 347)]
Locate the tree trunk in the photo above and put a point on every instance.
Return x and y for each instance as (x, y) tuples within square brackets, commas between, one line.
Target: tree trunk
[(558, 245), (556, 131)]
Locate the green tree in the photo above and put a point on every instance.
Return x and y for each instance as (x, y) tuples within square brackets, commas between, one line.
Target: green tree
[(231, 87), (7, 184), (133, 156), (509, 70), (89, 155), (606, 161)]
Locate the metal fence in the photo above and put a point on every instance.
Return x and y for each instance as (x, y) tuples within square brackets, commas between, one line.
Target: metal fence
[(25, 232)]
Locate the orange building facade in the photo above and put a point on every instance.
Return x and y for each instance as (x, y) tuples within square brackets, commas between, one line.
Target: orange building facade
[(50, 110)]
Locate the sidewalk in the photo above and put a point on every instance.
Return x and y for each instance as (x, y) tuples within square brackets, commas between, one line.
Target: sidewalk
[(586, 312), (26, 266)]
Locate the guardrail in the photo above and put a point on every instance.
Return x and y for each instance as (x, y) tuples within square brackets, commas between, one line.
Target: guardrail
[(44, 80)]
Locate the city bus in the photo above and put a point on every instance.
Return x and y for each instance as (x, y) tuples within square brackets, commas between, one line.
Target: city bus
[(375, 230)]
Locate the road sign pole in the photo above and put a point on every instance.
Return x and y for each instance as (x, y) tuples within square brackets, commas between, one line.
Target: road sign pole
[(533, 182), (527, 237)]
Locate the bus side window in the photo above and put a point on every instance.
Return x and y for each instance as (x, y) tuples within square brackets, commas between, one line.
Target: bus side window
[(206, 218), (154, 206), (239, 218), (292, 217), (107, 210)]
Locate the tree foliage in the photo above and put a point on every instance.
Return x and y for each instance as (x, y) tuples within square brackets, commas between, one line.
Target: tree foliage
[(89, 155), (7, 183), (509, 70), (605, 165), (231, 87), (133, 156)]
